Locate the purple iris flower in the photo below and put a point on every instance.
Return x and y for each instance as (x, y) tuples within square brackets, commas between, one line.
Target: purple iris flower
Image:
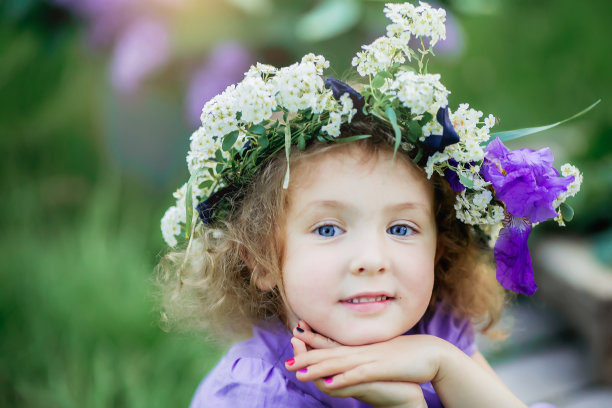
[(524, 180), (453, 178), (514, 269), (339, 88), (527, 183), (448, 137)]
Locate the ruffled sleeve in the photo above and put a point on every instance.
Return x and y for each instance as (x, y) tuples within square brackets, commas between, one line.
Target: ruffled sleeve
[(456, 330), (249, 381)]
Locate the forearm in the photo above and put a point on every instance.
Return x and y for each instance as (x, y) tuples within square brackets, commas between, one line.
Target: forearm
[(461, 382)]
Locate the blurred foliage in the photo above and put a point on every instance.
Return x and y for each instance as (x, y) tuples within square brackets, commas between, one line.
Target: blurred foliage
[(80, 211)]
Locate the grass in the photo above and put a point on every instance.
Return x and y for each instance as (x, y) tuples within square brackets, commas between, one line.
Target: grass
[(77, 313)]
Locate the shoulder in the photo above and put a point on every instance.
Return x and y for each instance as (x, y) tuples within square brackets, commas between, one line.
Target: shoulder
[(249, 381), (252, 373), (457, 330)]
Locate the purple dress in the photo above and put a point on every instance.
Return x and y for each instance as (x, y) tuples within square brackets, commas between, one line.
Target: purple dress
[(253, 373)]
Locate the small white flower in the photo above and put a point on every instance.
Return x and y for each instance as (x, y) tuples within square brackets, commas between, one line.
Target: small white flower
[(419, 92), (170, 224)]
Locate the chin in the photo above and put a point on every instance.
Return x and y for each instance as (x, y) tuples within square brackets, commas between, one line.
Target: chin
[(367, 337)]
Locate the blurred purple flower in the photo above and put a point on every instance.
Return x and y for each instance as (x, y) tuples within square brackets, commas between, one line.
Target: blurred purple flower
[(225, 65), (453, 44), (141, 50), (524, 180), (514, 269), (105, 18), (527, 183)]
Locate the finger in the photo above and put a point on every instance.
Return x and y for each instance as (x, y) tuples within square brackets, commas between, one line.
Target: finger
[(384, 393), (317, 364), (299, 347), (312, 339)]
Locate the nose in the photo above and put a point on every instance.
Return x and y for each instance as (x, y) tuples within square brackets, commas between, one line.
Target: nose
[(369, 258)]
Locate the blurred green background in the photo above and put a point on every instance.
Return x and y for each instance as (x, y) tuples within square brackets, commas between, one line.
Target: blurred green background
[(98, 99)]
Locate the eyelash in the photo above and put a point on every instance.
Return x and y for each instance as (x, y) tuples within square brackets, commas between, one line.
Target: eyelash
[(407, 229), (320, 228)]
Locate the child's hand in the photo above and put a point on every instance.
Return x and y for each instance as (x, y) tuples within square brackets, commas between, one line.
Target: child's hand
[(392, 393), (387, 374), (305, 339)]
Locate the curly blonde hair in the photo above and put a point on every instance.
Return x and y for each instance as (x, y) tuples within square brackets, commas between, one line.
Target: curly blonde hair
[(220, 282)]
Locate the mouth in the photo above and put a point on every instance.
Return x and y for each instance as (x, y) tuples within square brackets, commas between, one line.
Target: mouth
[(367, 299), (368, 303)]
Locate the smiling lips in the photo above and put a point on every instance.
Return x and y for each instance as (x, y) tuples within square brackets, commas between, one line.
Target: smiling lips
[(367, 303)]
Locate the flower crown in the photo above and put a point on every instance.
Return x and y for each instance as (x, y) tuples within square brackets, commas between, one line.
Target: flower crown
[(501, 193)]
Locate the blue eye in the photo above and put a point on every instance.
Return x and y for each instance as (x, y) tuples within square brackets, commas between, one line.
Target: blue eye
[(328, 231), (400, 230)]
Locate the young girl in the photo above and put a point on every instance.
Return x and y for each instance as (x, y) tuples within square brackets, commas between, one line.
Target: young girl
[(348, 231)]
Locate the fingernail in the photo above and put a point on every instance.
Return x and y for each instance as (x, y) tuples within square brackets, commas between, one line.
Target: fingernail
[(299, 329), (290, 362), (329, 380), (303, 370)]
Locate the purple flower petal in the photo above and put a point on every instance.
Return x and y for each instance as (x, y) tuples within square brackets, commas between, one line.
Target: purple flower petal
[(225, 65), (142, 50), (453, 180), (448, 137), (514, 269), (524, 180)]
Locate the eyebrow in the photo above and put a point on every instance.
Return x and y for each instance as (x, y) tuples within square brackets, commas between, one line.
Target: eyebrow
[(333, 204)]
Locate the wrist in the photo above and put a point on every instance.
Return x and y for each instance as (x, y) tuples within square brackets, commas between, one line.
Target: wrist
[(447, 356)]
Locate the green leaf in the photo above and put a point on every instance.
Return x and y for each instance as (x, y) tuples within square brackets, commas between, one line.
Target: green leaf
[(352, 138), (567, 212), (263, 141), (189, 200), (219, 156), (258, 130), (418, 156), (219, 168), (415, 129), (229, 140), (515, 134), (206, 184), (379, 79), (427, 117), (287, 152), (398, 133), (466, 181), (301, 142)]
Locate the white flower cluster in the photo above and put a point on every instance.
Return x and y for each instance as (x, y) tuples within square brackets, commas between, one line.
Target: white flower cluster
[(176, 215), (264, 90), (475, 205), (419, 92), (477, 208), (381, 55), (407, 20), (300, 86), (573, 188), (421, 21), (468, 153)]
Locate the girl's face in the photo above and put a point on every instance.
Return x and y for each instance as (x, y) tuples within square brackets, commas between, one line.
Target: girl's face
[(360, 244)]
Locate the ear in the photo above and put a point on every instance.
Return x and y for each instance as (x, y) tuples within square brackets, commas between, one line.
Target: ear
[(263, 279)]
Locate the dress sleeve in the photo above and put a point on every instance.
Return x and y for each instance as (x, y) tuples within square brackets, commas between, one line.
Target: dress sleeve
[(251, 382), (456, 330)]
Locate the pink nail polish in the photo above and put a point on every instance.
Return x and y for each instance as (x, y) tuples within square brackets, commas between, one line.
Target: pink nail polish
[(329, 380), (303, 370), (290, 362)]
